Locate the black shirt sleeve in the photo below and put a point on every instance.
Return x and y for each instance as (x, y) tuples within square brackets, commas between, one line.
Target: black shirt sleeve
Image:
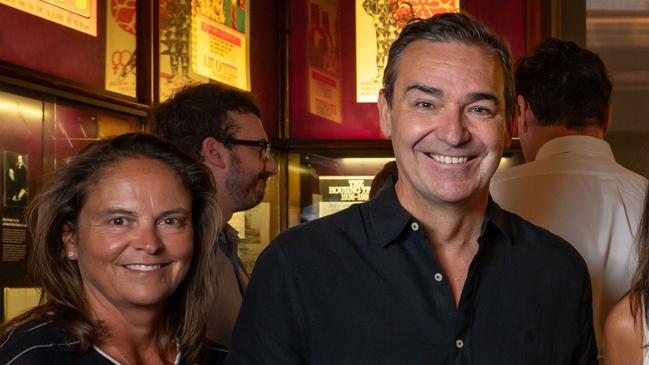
[(268, 329)]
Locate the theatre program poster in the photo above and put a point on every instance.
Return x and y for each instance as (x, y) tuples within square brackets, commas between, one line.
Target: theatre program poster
[(220, 41), (324, 60), (339, 192), (80, 15), (174, 62), (378, 23), (120, 46), (253, 226), (21, 121)]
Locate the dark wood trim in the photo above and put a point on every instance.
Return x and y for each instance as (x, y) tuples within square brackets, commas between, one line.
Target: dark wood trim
[(537, 23), (48, 84), (283, 21), (144, 51), (340, 145)]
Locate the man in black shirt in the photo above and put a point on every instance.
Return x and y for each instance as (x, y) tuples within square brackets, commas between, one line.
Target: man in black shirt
[(431, 271)]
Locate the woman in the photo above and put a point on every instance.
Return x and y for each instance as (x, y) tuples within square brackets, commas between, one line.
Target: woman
[(122, 241), (626, 331)]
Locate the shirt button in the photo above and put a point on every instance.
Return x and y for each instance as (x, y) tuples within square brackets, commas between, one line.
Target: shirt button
[(438, 276), (459, 344), (414, 226)]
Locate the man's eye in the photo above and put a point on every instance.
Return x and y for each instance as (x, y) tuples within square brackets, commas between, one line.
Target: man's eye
[(424, 104), (480, 110), (118, 221)]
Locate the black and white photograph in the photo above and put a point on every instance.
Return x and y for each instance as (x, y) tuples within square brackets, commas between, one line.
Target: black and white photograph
[(16, 188)]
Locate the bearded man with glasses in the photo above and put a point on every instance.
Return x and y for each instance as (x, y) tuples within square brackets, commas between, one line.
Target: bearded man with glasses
[(222, 128)]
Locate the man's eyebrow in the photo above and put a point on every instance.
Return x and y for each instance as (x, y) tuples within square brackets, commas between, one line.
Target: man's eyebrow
[(430, 90), (473, 97)]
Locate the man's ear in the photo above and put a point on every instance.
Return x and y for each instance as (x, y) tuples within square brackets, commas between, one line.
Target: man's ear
[(384, 114), (69, 238), (522, 120), (607, 124), (213, 152)]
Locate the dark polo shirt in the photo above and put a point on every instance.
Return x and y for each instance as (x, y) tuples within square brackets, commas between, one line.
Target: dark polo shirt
[(363, 287)]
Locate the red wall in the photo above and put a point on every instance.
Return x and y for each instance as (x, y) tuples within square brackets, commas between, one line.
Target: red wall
[(360, 120), (32, 42)]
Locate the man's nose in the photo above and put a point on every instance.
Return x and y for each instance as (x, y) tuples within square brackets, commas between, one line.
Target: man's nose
[(270, 166), (452, 129)]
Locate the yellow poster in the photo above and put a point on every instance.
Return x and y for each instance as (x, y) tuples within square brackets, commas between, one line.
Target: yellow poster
[(378, 23), (219, 41), (324, 60), (80, 15), (175, 19), (120, 47)]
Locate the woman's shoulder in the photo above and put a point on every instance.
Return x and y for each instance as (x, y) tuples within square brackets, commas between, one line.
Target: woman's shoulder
[(623, 334), (36, 339), (42, 341)]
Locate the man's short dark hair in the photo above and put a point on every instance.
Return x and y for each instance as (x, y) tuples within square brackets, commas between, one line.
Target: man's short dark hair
[(200, 111), (451, 27), (565, 84)]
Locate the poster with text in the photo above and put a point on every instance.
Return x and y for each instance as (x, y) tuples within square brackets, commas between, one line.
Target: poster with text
[(80, 15), (339, 192), (378, 23), (253, 226), (175, 20), (120, 46), (220, 41), (324, 60), (21, 123)]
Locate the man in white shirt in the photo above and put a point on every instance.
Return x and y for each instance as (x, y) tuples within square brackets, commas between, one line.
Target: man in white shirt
[(571, 184)]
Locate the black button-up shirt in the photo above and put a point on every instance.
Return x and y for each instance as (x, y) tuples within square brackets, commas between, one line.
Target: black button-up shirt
[(363, 287)]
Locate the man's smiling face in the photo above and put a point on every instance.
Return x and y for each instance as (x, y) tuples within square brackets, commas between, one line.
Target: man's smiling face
[(446, 121)]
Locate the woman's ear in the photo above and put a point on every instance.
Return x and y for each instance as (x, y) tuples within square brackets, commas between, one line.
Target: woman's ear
[(69, 238)]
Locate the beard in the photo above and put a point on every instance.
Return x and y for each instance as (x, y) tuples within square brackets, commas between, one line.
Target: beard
[(246, 187)]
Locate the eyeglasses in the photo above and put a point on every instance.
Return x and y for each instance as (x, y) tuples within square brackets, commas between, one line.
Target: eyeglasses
[(265, 145)]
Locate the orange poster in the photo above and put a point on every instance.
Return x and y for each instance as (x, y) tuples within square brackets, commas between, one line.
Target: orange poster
[(80, 15), (324, 60), (378, 23)]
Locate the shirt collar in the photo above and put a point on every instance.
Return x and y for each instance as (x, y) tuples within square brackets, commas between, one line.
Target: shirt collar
[(585, 145), (389, 219), (386, 214), (228, 239)]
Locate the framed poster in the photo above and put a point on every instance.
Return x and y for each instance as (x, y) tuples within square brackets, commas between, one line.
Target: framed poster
[(80, 15), (324, 60), (378, 24), (220, 41)]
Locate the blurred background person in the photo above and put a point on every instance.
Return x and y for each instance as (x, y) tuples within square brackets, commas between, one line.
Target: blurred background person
[(571, 183), (122, 241), (389, 169), (626, 333), (221, 127)]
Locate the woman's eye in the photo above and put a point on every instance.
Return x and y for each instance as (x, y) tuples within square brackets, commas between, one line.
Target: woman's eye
[(173, 221)]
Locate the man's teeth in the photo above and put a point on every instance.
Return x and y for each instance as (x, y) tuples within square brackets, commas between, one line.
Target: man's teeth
[(144, 267), (449, 159)]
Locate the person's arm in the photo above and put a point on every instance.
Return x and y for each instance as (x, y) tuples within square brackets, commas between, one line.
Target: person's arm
[(623, 335), (586, 353), (269, 326)]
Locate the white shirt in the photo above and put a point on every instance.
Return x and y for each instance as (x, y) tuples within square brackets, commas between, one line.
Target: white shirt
[(576, 190)]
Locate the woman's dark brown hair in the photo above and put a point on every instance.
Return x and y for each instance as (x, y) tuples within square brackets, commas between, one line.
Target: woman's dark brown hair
[(59, 205), (639, 295)]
